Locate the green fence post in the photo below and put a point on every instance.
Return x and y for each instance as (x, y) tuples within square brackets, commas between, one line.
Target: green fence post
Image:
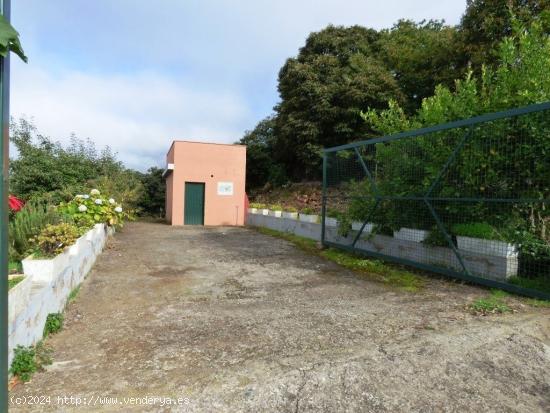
[(4, 130), (324, 200)]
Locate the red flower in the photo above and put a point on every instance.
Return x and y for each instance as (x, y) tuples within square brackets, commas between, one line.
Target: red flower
[(15, 204)]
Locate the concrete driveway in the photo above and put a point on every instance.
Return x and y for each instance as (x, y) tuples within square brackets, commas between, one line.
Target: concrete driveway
[(227, 319)]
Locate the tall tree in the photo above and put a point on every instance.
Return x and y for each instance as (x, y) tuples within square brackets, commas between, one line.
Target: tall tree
[(421, 56), (152, 201), (260, 165), (335, 75), (486, 22)]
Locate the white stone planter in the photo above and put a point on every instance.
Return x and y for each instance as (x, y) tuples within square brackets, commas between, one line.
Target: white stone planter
[(252, 210), (47, 284), (356, 226), (264, 212), (487, 246), (331, 222), (411, 234), (290, 215), (314, 219), (44, 270), (18, 296), (276, 214)]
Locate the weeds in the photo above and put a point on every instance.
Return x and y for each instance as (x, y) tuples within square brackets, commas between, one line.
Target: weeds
[(534, 302), (29, 360), (73, 294), (493, 304), (54, 323)]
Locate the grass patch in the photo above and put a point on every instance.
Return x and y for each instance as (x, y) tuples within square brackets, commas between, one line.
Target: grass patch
[(15, 267), (535, 302), (12, 282), (541, 283), (73, 294), (493, 304), (375, 269)]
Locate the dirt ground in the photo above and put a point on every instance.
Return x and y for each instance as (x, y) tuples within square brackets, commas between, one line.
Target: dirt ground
[(228, 319)]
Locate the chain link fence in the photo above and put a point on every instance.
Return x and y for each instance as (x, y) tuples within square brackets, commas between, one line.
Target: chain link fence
[(469, 199)]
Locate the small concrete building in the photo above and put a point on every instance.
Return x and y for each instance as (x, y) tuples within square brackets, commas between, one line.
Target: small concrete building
[(205, 184)]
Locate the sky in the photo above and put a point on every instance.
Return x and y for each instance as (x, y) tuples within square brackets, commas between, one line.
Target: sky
[(135, 74)]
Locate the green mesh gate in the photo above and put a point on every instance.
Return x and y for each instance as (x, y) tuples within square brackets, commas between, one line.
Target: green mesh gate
[(469, 199)]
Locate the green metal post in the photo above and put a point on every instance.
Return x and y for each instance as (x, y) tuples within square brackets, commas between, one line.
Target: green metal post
[(4, 130), (324, 200)]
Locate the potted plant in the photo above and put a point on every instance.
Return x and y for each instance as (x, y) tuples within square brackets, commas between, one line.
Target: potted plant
[(483, 238), (276, 211), (290, 213), (307, 215)]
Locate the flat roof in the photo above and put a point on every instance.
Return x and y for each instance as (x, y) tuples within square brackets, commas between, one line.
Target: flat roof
[(203, 143), (208, 143)]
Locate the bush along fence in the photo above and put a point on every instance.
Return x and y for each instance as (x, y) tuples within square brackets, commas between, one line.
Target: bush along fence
[(469, 199), (58, 246)]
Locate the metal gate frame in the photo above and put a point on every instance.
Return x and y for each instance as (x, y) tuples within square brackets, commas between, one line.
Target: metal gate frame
[(428, 198)]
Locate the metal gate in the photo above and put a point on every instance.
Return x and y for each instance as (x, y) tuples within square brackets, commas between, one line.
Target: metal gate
[(469, 199)]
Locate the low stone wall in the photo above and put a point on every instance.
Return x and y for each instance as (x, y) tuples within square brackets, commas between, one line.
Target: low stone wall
[(488, 266), (47, 285)]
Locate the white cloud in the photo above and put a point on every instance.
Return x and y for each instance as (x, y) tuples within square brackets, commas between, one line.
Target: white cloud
[(135, 74), (138, 115)]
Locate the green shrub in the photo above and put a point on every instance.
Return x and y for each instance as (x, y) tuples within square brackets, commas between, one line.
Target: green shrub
[(29, 360), (24, 364), (491, 305), (290, 209), (276, 207), (55, 238), (26, 224), (54, 323), (88, 210), (307, 211), (477, 230), (257, 205)]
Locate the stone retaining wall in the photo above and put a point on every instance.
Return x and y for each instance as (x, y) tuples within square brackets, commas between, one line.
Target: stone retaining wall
[(488, 266), (47, 285)]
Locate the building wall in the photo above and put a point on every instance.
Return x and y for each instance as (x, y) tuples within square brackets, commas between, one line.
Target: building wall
[(169, 187), (210, 164)]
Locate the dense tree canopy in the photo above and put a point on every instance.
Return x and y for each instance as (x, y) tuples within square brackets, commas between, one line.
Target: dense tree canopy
[(341, 71), (44, 169), (486, 22), (336, 73)]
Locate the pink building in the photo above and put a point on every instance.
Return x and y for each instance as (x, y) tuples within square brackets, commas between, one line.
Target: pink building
[(205, 184)]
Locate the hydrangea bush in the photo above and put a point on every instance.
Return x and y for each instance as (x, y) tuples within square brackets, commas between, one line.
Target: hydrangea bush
[(89, 209)]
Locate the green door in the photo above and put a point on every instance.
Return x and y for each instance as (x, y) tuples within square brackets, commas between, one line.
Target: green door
[(194, 204)]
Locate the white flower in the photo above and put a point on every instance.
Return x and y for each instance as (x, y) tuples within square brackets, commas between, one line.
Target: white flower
[(94, 192), (85, 196), (82, 208), (118, 209), (111, 201), (79, 196), (98, 201)]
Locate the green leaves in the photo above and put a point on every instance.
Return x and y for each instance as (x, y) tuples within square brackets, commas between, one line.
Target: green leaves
[(9, 40)]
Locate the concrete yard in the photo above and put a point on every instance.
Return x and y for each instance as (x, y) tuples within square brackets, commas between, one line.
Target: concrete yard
[(233, 320)]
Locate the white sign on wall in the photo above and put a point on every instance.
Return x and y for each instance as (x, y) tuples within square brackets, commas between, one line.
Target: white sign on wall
[(225, 188)]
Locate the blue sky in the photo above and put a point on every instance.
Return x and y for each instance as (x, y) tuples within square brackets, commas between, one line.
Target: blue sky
[(137, 74)]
